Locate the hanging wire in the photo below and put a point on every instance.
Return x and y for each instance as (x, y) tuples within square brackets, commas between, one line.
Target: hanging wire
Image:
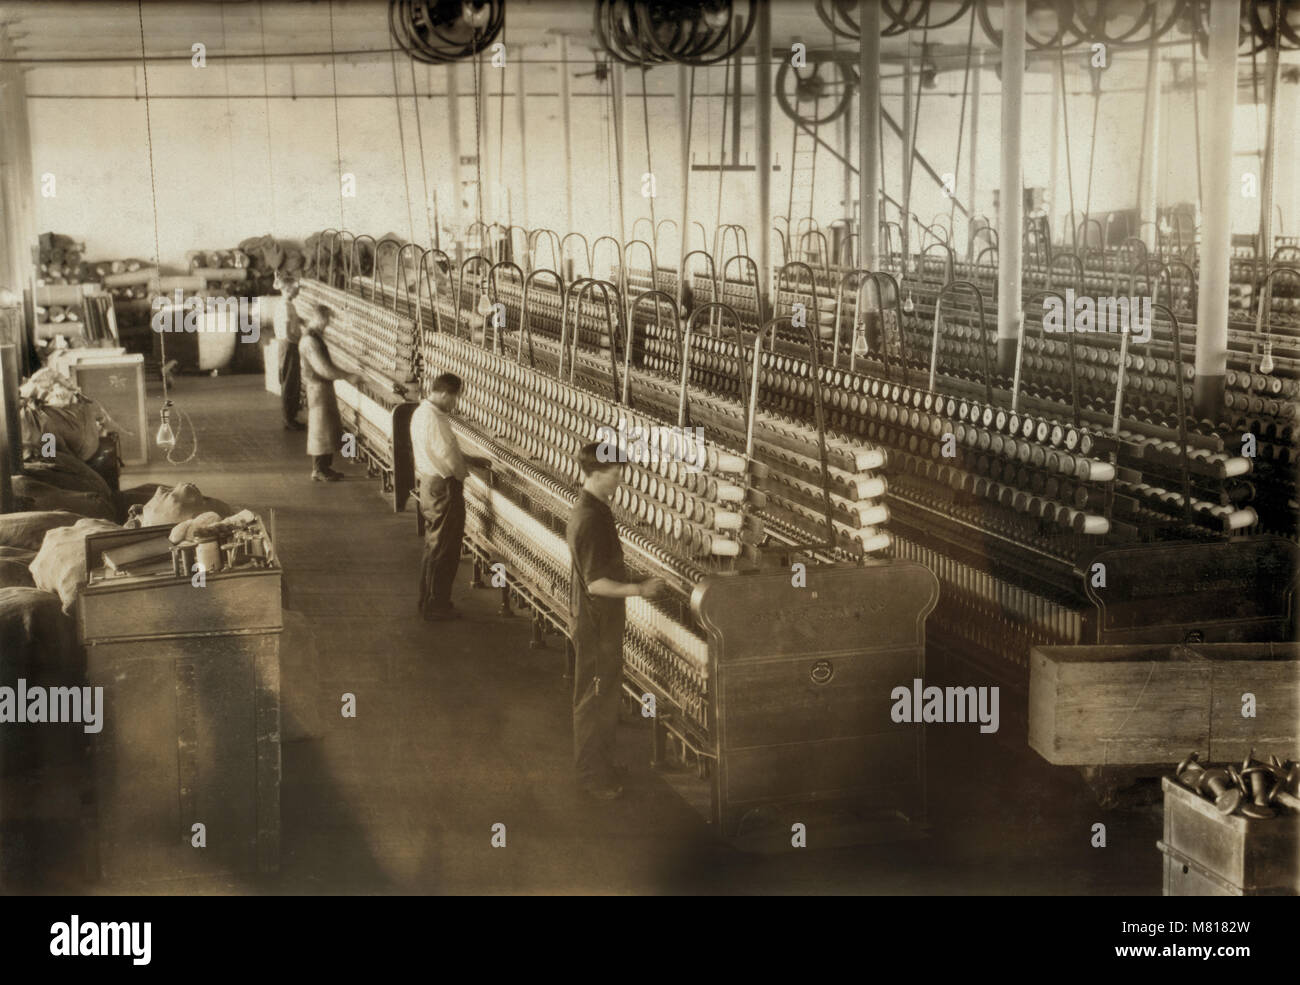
[(649, 162), (157, 247), (1069, 164), (424, 168), (401, 137), (961, 120), (609, 161), (722, 153), (478, 142), (501, 152), (338, 141), (1196, 122), (230, 132), (1092, 149), (266, 91)]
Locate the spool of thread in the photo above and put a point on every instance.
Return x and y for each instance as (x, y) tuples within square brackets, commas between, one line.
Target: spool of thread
[(730, 493), (186, 548), (873, 516), (207, 554), (730, 463), (868, 459), (724, 520)]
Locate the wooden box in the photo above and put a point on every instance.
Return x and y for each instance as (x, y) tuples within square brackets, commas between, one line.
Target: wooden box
[(1213, 854), (802, 689), (191, 727), (1145, 704)]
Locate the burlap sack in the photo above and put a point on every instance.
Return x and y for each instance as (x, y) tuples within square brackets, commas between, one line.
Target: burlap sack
[(60, 565), (26, 531), (67, 471), (42, 496)]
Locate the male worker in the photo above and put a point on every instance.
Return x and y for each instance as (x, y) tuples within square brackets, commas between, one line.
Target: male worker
[(599, 585), (288, 330), (442, 467)]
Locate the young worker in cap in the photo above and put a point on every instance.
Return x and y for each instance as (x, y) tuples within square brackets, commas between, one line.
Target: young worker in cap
[(599, 586)]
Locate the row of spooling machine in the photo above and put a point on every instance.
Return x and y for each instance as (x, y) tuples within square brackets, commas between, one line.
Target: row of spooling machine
[(1049, 518)]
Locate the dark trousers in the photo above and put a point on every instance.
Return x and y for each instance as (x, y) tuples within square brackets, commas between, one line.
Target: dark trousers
[(290, 383), (442, 501), (597, 691), (321, 462)]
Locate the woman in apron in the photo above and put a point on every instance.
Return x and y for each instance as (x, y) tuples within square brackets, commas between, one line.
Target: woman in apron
[(324, 425)]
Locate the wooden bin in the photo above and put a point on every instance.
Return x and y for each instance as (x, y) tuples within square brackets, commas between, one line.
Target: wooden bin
[(1212, 854), (191, 731), (1145, 704)]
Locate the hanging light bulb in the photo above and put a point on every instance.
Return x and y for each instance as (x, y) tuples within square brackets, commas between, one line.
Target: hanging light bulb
[(484, 303), (1266, 361), (165, 438), (908, 306)]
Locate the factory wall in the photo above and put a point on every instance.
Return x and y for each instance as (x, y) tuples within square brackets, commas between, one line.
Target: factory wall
[(215, 174)]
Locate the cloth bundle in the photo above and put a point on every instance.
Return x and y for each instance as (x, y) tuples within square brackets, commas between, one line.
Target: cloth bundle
[(50, 403), (60, 565)]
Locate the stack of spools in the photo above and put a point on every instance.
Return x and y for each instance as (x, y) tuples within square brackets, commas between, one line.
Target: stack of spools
[(1256, 789)]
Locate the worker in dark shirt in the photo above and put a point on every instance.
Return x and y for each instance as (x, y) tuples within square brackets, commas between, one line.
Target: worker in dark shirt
[(599, 586)]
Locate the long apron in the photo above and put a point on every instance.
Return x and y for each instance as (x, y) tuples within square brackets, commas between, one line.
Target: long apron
[(324, 424)]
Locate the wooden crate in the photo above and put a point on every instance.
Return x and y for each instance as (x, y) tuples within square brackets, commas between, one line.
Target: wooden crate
[(1147, 704), (191, 730), (1212, 854)]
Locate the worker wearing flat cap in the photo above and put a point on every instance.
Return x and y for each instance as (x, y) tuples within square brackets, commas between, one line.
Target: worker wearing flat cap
[(598, 587), (324, 423)]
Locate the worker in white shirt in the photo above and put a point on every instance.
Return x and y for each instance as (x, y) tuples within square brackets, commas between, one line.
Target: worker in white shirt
[(288, 330), (443, 467)]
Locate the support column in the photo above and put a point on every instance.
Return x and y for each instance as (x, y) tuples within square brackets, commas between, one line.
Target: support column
[(565, 123), (453, 126), (684, 149), (1216, 214), (973, 171), (521, 107), (763, 143), (1148, 166), (1011, 206), (869, 137)]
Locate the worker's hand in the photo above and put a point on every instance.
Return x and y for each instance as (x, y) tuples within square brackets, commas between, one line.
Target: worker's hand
[(652, 588)]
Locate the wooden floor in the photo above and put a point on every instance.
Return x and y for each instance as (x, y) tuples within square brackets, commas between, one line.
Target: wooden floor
[(461, 726)]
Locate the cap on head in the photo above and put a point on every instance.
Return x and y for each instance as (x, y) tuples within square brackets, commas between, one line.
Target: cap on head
[(593, 461)]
